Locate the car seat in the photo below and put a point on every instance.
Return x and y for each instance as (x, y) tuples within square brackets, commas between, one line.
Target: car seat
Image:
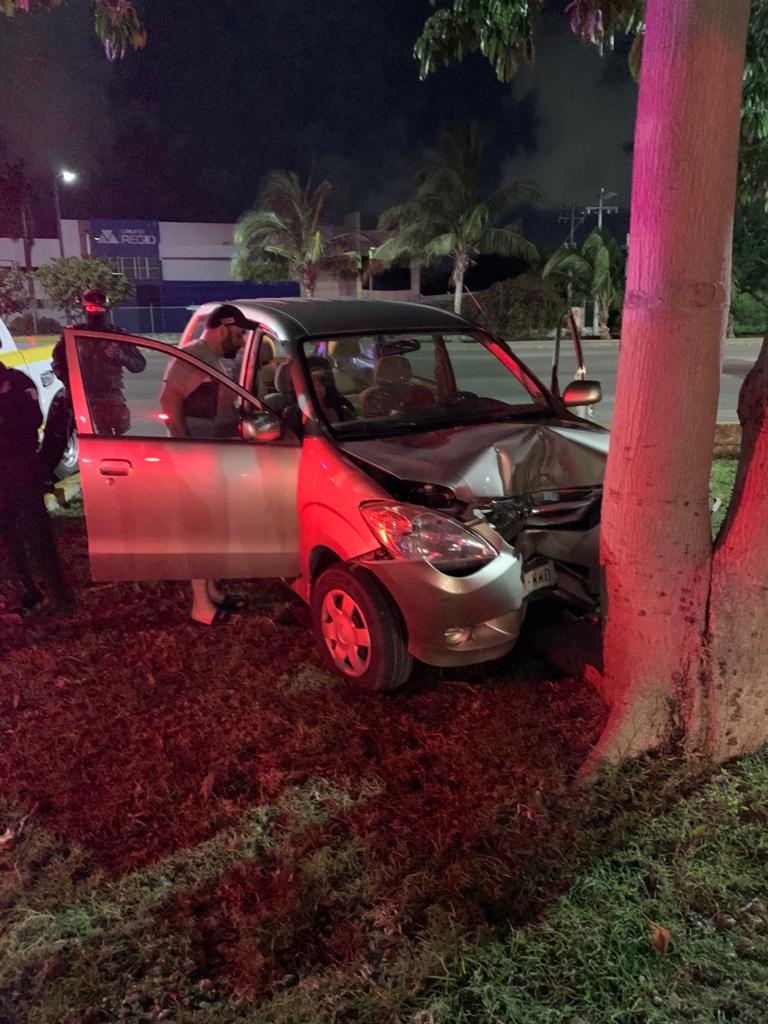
[(346, 374), (268, 364), (283, 399), (394, 390)]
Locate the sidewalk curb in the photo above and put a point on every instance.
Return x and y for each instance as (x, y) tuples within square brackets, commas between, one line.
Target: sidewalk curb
[(727, 440)]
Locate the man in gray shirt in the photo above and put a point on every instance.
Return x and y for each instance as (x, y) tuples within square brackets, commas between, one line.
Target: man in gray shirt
[(195, 404), (198, 406)]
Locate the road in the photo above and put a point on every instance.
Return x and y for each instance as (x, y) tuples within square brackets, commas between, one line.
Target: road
[(600, 357), (601, 360)]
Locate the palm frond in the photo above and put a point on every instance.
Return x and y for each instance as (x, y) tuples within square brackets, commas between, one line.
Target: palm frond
[(506, 242), (567, 263), (475, 226), (442, 245), (509, 196)]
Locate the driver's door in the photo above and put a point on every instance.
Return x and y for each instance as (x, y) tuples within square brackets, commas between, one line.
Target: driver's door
[(161, 507)]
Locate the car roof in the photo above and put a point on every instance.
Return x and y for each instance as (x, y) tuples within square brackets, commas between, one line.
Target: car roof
[(292, 319)]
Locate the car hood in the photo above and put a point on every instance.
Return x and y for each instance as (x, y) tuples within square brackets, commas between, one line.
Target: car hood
[(491, 460)]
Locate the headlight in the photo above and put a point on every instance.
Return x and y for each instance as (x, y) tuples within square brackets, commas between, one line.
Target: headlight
[(419, 534)]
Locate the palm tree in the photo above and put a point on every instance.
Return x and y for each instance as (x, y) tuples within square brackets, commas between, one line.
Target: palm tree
[(447, 215), (282, 236), (17, 196), (596, 269)]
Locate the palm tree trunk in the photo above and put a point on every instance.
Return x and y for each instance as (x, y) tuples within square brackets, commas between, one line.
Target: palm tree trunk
[(459, 270)]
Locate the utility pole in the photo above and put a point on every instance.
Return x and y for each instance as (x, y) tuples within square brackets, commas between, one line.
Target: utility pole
[(571, 218), (602, 206), (574, 221)]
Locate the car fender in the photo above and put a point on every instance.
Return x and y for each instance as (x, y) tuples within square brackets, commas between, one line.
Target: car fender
[(331, 490)]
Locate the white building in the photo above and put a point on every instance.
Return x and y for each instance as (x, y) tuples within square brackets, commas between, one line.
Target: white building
[(174, 265)]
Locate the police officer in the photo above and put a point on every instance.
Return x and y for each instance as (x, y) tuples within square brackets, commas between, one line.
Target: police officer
[(25, 529), (103, 376)]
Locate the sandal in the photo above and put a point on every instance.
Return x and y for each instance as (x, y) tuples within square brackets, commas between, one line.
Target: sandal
[(221, 615), (231, 602)]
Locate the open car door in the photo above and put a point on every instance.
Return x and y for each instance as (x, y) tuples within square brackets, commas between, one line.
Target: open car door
[(162, 507)]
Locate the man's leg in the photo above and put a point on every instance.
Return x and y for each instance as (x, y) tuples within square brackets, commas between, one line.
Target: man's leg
[(59, 425), (16, 557), (34, 525)]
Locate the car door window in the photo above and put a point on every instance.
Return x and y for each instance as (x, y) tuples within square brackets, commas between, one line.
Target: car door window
[(137, 391)]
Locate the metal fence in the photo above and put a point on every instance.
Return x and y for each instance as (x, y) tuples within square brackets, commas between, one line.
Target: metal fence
[(151, 319)]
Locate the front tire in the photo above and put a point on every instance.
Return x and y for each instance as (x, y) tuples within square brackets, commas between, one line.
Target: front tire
[(68, 464), (58, 452), (358, 629)]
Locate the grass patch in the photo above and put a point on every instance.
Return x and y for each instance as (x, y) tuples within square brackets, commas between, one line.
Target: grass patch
[(721, 484), (649, 908), (216, 832)]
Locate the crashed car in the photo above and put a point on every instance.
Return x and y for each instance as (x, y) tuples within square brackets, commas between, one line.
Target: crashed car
[(413, 481)]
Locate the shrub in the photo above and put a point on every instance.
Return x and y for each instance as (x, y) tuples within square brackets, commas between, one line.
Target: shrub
[(520, 307), (748, 315), (24, 325)]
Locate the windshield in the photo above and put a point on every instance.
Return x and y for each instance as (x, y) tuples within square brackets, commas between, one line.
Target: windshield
[(387, 383)]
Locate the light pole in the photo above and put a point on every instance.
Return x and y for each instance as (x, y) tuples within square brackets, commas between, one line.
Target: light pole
[(69, 178)]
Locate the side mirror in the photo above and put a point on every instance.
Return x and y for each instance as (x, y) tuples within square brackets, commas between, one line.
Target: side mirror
[(582, 392), (260, 427)]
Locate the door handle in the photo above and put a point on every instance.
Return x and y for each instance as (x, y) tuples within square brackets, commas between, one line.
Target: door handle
[(115, 467)]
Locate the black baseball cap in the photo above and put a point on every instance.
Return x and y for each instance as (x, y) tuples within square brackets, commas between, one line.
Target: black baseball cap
[(229, 315)]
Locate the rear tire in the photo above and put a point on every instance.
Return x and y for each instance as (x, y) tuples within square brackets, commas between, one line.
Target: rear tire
[(358, 630)]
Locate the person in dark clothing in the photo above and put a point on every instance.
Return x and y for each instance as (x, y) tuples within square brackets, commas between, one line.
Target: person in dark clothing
[(25, 528), (102, 374)]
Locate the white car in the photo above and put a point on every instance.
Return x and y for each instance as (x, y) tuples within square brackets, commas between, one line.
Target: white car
[(34, 360)]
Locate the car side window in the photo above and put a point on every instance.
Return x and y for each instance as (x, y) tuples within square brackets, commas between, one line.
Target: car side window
[(136, 391)]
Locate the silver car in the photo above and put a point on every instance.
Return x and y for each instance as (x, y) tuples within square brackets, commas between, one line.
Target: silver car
[(410, 477)]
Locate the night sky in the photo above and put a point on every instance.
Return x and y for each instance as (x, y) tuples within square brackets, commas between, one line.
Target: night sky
[(185, 129)]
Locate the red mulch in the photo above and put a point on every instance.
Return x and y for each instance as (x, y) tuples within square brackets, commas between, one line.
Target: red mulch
[(135, 733)]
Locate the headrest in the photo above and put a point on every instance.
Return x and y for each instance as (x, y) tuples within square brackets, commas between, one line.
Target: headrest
[(344, 348), (283, 382), (267, 350), (393, 370)]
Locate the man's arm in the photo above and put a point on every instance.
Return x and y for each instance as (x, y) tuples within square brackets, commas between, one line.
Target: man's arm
[(172, 404), (123, 354), (59, 362)]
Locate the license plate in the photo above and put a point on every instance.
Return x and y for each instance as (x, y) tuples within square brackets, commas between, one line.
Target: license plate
[(538, 577)]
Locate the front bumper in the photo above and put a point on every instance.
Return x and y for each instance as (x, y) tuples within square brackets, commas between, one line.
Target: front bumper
[(457, 620)]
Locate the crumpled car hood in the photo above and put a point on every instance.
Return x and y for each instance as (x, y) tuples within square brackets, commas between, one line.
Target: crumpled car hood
[(492, 460)]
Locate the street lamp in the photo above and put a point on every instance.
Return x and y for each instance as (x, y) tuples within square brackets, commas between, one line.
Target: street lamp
[(69, 178)]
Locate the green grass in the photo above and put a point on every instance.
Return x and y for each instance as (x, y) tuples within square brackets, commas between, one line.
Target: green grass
[(722, 480), (651, 845)]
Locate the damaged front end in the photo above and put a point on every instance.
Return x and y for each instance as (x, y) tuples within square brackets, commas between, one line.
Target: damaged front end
[(532, 494), (557, 533)]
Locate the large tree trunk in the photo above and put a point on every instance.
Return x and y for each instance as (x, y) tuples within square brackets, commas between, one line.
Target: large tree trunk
[(738, 608), (656, 546)]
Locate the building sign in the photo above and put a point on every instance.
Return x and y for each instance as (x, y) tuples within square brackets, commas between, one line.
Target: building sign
[(124, 238)]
